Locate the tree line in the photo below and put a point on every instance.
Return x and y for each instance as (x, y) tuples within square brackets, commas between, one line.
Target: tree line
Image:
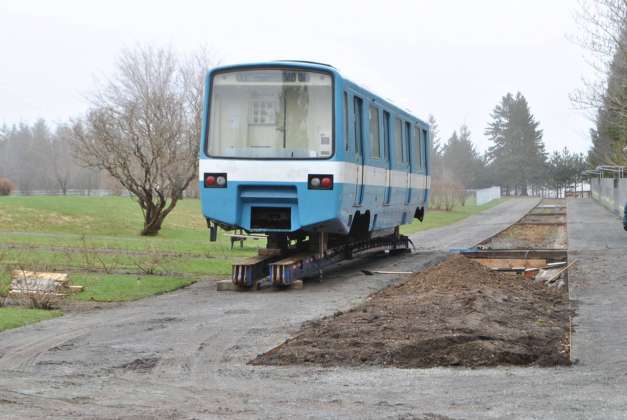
[(140, 134), (516, 160), (141, 130), (37, 157)]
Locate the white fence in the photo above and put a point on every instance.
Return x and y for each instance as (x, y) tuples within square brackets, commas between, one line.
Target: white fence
[(485, 195), (611, 193), (74, 192)]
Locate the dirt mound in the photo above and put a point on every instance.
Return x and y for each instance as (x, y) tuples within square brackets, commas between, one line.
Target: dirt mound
[(457, 313)]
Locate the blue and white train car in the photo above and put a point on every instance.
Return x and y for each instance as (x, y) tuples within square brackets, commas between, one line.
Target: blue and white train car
[(290, 148)]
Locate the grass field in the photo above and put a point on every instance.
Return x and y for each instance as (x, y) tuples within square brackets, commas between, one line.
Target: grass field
[(18, 317), (438, 218), (117, 288), (96, 240)]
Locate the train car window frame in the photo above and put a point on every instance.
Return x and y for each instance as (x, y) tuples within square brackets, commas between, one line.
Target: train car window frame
[(386, 135), (425, 148), (346, 135), (399, 151), (240, 68), (407, 141), (374, 137), (358, 122), (419, 141)]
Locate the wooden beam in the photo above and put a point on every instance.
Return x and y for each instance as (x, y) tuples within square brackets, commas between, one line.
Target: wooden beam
[(511, 262)]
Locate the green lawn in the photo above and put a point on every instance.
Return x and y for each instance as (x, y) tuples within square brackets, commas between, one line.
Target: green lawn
[(18, 317), (96, 239), (104, 222), (87, 225), (438, 218), (117, 288)]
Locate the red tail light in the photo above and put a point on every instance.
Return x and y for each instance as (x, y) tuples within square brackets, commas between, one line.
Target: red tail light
[(320, 182), (215, 180)]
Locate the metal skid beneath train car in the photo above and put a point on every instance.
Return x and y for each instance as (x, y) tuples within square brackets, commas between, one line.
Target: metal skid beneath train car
[(297, 263)]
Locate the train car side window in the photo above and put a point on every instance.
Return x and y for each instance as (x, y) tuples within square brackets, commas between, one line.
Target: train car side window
[(375, 142), (419, 142), (386, 134), (346, 138), (357, 121), (399, 151)]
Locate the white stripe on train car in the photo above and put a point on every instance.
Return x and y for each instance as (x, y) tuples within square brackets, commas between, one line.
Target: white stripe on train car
[(296, 171)]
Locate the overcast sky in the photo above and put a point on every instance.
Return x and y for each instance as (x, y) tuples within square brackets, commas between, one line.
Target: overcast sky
[(452, 59)]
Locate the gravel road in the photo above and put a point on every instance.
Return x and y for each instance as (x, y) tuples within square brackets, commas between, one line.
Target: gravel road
[(184, 354)]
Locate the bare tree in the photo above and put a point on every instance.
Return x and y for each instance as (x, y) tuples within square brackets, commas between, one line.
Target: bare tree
[(143, 128), (61, 160), (602, 24), (603, 35)]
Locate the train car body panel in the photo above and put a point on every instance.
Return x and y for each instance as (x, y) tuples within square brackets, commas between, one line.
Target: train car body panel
[(376, 153)]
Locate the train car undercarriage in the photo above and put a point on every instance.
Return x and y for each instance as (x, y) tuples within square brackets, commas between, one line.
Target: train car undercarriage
[(286, 259)]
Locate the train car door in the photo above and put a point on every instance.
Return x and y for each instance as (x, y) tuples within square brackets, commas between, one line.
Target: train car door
[(410, 163), (420, 155), (358, 119), (387, 157), (425, 164)]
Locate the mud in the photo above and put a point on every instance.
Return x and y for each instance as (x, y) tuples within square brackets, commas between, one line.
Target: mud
[(457, 313), (141, 365)]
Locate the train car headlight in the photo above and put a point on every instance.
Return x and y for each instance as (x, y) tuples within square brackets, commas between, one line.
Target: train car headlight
[(320, 182), (215, 180)]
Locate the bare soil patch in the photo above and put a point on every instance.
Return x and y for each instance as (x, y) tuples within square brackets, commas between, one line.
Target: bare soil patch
[(548, 210), (457, 313), (530, 236), (544, 219)]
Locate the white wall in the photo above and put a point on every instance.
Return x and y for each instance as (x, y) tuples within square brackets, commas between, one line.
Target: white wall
[(486, 195)]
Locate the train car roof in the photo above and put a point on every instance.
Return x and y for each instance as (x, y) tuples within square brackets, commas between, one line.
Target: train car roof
[(326, 67)]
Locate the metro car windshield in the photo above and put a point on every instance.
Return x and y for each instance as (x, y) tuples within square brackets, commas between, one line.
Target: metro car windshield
[(271, 113)]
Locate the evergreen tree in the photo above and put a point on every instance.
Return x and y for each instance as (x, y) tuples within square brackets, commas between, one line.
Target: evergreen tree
[(610, 136), (564, 169), (436, 149), (518, 155), (461, 159)]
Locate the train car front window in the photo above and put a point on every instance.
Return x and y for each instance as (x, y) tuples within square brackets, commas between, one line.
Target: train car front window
[(285, 114)]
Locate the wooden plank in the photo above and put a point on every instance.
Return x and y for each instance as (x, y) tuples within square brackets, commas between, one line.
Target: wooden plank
[(559, 273), (38, 283), (551, 255), (18, 293), (35, 276), (238, 235), (511, 262)]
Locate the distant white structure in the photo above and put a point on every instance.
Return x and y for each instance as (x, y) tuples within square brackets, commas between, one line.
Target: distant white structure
[(485, 195)]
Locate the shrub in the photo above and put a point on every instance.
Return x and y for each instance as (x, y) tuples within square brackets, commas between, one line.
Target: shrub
[(6, 186), (40, 300), (445, 194)]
